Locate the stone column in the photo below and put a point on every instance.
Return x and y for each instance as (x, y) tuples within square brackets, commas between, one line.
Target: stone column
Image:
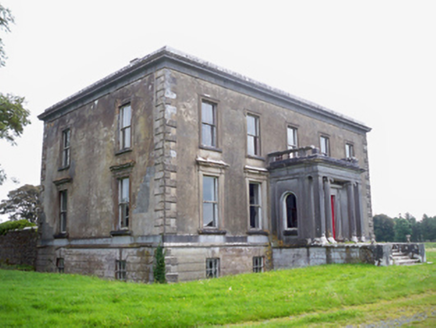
[(328, 210), (352, 211), (321, 209), (359, 215)]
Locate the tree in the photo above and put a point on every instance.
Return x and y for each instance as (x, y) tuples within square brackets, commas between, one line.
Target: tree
[(383, 228), (13, 116), (22, 203), (6, 18), (402, 228), (428, 228)]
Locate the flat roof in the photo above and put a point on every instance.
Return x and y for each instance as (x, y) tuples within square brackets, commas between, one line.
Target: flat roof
[(168, 57)]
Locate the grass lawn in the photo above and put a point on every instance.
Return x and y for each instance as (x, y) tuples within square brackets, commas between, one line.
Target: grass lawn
[(329, 295)]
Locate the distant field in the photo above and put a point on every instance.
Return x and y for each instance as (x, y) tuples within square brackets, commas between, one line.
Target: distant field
[(329, 295)]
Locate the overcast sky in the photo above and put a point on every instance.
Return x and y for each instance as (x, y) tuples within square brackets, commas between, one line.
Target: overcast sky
[(374, 61)]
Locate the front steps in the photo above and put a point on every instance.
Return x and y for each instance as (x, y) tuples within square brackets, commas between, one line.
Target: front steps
[(401, 258)]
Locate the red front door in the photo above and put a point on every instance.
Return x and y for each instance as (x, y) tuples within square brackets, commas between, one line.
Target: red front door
[(333, 216)]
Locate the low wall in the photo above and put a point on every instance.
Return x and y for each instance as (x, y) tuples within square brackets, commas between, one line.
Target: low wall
[(19, 247), (377, 254)]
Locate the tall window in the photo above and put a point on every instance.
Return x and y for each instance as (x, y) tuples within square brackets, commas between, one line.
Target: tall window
[(120, 270), (123, 203), (324, 144), (212, 268), (210, 201), (349, 150), (66, 147), (253, 135), (255, 205), (125, 127), (63, 211), (291, 211), (258, 264), (292, 138), (208, 124)]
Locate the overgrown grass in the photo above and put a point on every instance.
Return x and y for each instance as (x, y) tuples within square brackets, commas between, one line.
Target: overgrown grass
[(329, 292)]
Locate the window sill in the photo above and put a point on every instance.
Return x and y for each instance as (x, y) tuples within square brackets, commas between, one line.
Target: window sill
[(211, 232), (63, 168), (293, 232), (121, 233), (218, 150), (257, 232), (60, 235), (260, 158), (123, 151)]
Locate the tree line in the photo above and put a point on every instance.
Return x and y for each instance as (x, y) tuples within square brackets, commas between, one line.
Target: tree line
[(396, 229)]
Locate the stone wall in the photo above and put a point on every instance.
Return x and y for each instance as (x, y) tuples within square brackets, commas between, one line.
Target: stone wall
[(19, 247)]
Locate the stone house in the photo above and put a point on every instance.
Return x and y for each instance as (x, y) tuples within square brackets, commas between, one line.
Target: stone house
[(225, 172)]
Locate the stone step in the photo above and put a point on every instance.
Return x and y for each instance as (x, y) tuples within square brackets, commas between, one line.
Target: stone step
[(406, 261)]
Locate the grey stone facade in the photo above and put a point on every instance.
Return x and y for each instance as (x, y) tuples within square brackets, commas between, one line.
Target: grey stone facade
[(203, 179)]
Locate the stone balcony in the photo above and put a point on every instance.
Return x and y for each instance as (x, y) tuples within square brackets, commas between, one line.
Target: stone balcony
[(308, 155)]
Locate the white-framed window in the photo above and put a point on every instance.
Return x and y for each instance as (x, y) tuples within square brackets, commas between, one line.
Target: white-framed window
[(349, 150), (63, 202), (209, 124), (120, 270), (290, 211), (292, 138), (123, 203), (258, 264), (125, 134), (212, 268), (66, 134), (324, 145), (210, 201), (253, 135), (60, 265), (255, 201)]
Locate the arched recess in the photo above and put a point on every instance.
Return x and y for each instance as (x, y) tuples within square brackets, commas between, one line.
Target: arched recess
[(290, 211)]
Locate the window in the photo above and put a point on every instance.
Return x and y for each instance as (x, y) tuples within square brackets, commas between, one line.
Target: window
[(253, 135), (120, 270), (63, 211), (208, 124), (324, 143), (66, 148), (255, 205), (292, 138), (123, 203), (60, 264), (210, 201), (349, 150), (291, 211), (257, 264), (125, 127), (212, 268)]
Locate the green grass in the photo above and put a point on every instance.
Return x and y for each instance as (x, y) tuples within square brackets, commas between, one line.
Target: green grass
[(313, 296)]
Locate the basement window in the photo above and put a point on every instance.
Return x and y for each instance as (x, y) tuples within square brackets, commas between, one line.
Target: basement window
[(120, 270), (258, 264), (212, 268), (60, 264)]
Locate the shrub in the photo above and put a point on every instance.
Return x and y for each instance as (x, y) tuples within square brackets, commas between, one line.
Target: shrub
[(12, 225), (159, 265)]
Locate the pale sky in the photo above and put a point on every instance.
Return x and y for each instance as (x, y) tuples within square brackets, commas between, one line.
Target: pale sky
[(374, 61)]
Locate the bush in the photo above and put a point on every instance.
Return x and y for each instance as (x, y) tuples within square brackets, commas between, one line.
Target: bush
[(12, 225), (159, 265)]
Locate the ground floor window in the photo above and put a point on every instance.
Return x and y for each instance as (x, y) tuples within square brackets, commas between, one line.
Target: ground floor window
[(257, 264), (120, 270), (60, 264), (212, 268)]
